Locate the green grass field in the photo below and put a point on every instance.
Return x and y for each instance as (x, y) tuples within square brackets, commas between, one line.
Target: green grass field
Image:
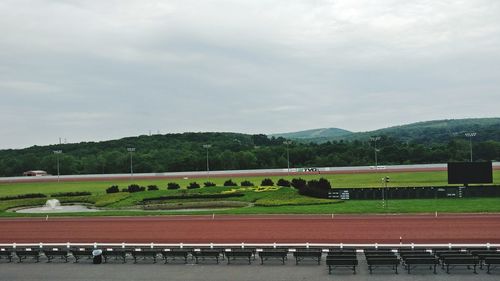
[(253, 201)]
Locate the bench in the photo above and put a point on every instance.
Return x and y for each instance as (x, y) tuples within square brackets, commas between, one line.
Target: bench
[(6, 253), (145, 253), (460, 261), (483, 256), (81, 253), (117, 253), (240, 253), (207, 253), (304, 253), (346, 261), (176, 253), (266, 254), (28, 253), (412, 262), (374, 262), (54, 253), (491, 263)]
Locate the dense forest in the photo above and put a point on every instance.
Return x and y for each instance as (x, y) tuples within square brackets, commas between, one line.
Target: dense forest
[(185, 152)]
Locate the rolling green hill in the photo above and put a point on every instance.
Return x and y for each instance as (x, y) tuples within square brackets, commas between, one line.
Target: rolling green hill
[(324, 133), (437, 131)]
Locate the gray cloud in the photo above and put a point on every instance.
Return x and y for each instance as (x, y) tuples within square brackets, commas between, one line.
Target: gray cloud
[(95, 70)]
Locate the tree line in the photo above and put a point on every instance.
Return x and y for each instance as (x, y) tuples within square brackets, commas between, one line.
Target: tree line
[(230, 151)]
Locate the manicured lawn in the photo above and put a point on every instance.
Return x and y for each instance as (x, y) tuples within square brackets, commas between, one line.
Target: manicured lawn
[(265, 200)]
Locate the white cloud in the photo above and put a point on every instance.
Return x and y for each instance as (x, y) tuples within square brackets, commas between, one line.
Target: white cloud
[(125, 67)]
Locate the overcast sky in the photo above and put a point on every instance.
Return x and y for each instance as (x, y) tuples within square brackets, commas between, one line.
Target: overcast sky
[(97, 70)]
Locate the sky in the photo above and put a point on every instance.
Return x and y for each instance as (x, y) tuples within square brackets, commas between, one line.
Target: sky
[(90, 70)]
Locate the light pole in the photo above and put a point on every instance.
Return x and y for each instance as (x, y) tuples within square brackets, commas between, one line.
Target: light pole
[(385, 194), (375, 139), (206, 147), (57, 152), (287, 143), (470, 135), (131, 150)]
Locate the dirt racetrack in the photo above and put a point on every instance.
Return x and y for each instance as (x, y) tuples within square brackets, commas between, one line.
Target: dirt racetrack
[(473, 228)]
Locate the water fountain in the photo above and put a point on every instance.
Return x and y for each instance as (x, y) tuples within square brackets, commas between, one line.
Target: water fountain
[(52, 204)]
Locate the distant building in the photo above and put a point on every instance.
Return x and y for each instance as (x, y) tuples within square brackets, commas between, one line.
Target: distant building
[(35, 173)]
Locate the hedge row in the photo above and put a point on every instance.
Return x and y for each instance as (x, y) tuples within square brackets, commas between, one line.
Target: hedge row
[(194, 196), (69, 194), (24, 196)]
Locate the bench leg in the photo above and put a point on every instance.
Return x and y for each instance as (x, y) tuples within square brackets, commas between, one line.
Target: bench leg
[(475, 269), (354, 270), (396, 269), (488, 269), (435, 269), (448, 268), (329, 269), (370, 268)]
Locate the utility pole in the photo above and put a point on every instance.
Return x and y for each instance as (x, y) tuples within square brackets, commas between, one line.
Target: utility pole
[(207, 146), (470, 135), (57, 152), (287, 143), (131, 150)]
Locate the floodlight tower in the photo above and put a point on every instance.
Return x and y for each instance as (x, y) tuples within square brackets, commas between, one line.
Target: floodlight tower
[(57, 152), (287, 143), (374, 140), (470, 135), (131, 150), (207, 146)]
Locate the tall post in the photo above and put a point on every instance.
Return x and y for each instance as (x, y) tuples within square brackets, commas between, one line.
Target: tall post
[(207, 146), (57, 152), (375, 139), (470, 135), (287, 143), (131, 150)]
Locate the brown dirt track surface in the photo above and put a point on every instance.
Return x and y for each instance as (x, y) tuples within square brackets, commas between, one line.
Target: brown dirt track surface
[(473, 228)]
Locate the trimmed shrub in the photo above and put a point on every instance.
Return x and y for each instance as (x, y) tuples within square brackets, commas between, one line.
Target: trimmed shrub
[(208, 184), (298, 183), (267, 182), (135, 188), (283, 182), (321, 184), (173, 185), (113, 189), (24, 196), (193, 185), (152, 187), (230, 183), (68, 194), (247, 183)]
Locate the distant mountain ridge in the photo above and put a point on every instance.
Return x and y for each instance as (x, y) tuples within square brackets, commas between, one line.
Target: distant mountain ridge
[(314, 133), (424, 132)]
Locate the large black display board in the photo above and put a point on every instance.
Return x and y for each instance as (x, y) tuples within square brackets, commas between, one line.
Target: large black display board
[(470, 172)]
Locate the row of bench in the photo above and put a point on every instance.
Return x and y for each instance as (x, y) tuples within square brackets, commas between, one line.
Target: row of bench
[(166, 254), (409, 258)]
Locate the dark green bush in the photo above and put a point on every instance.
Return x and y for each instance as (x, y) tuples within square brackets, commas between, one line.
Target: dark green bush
[(208, 184), (267, 182), (152, 187), (113, 189), (230, 183), (283, 182), (299, 183), (247, 183), (173, 185), (193, 185)]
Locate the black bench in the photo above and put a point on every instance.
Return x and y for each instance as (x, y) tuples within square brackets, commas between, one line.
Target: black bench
[(305, 253), (341, 261), (491, 263), (235, 253), (207, 253), (81, 253), (176, 253), (23, 254), (145, 253), (6, 253), (117, 253), (412, 262), (56, 252), (374, 262), (266, 254), (483, 256), (460, 261)]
